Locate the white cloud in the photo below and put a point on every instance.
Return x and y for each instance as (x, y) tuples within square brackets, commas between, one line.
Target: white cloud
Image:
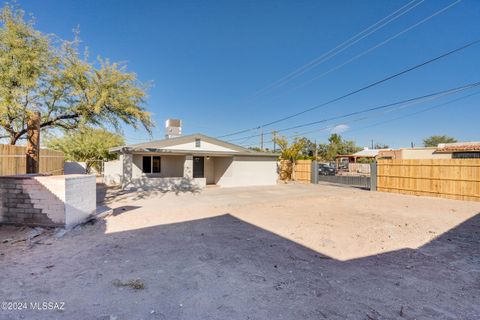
[(340, 128)]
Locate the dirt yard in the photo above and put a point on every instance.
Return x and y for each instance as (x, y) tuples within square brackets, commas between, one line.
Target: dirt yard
[(283, 252)]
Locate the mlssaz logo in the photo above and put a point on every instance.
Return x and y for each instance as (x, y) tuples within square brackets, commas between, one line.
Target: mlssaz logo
[(47, 305)]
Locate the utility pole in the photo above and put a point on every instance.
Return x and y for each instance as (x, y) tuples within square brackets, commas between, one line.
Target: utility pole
[(261, 139), (274, 141), (33, 143)]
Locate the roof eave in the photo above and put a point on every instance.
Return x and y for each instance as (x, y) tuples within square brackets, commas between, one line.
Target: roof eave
[(180, 151)]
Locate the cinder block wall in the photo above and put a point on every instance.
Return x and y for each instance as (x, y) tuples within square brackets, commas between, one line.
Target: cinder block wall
[(53, 201)]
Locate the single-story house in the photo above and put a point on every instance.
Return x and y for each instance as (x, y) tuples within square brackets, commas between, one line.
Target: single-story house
[(349, 164), (191, 161), (457, 150), (366, 153), (461, 150)]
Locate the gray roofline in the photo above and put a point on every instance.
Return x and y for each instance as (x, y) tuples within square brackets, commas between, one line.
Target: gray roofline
[(159, 144), (199, 152)]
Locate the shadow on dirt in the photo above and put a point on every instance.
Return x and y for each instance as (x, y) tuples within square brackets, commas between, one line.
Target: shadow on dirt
[(106, 194), (225, 268)]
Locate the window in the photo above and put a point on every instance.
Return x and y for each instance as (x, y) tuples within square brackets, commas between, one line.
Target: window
[(197, 143), (466, 155), (156, 164), (147, 164), (151, 164)]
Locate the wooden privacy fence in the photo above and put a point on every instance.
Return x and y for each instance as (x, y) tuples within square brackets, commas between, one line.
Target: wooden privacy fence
[(446, 178), (13, 160), (302, 170)]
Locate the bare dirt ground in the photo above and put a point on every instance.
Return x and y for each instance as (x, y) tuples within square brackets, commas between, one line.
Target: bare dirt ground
[(283, 252)]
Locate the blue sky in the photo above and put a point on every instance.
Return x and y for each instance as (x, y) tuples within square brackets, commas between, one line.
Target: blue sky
[(208, 60)]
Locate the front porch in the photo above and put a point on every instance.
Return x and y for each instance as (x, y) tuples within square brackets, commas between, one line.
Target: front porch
[(172, 171)]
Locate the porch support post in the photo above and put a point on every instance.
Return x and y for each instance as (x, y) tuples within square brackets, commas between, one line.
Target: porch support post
[(188, 167), (127, 166)]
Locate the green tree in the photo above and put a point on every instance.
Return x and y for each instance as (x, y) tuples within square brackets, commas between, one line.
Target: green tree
[(45, 74), (290, 151), (433, 141), (309, 148), (381, 146), (88, 145), (336, 146)]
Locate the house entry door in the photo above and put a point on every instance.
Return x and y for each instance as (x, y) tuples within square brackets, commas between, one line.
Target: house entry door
[(198, 165)]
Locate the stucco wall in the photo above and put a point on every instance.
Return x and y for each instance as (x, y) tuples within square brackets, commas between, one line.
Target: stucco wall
[(112, 172), (171, 167), (415, 153), (115, 171), (204, 146), (223, 171), (428, 153), (209, 170)]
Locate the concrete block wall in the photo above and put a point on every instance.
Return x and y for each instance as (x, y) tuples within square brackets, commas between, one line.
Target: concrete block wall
[(80, 198), (53, 201)]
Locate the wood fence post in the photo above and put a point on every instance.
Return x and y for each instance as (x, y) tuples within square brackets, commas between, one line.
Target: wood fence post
[(33, 143)]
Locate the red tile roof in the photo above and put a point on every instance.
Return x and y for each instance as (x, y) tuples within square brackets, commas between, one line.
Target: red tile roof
[(460, 147)]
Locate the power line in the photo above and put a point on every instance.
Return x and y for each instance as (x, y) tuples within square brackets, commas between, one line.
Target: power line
[(360, 89), (376, 46), (340, 48), (418, 112), (389, 120), (420, 99), (402, 104)]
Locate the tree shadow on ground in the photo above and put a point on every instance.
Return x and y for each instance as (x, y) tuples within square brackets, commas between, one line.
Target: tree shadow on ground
[(119, 210), (106, 194), (225, 268)]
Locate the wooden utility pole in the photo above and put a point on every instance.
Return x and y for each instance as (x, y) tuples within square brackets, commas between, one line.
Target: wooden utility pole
[(33, 143), (274, 141), (261, 139)]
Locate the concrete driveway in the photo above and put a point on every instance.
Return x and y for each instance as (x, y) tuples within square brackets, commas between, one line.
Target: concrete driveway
[(283, 252)]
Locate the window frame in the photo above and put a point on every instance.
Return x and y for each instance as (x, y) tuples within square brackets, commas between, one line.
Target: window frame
[(150, 171), (198, 143)]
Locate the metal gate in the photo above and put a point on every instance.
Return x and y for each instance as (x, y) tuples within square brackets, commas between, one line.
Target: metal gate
[(354, 181)]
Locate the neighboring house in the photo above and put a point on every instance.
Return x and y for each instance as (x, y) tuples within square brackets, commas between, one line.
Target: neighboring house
[(342, 161), (458, 150), (349, 163), (192, 161)]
